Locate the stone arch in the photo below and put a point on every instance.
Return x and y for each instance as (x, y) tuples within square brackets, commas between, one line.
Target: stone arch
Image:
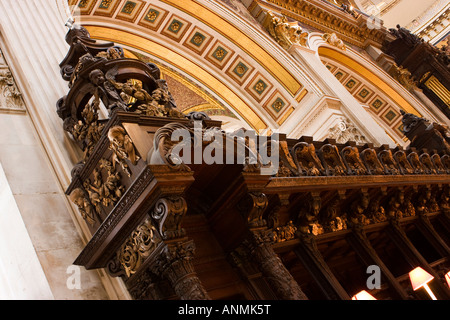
[(377, 91), (212, 48)]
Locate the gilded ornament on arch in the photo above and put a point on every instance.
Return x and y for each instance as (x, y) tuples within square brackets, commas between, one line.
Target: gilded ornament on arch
[(151, 15), (334, 40), (284, 32), (403, 76)]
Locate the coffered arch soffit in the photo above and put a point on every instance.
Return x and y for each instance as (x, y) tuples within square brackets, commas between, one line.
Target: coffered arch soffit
[(374, 88), (249, 74)]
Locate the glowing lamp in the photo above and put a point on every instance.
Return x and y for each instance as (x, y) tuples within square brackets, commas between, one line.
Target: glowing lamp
[(363, 295), (420, 278), (447, 277)]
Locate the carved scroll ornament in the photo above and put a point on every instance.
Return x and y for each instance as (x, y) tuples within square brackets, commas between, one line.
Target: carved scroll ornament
[(141, 243), (351, 158), (370, 159), (332, 160), (168, 213), (307, 160)]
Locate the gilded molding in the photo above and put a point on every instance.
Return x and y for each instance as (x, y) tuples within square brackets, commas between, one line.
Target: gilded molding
[(284, 32)]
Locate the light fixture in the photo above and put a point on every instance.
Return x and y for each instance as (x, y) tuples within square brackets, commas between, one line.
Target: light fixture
[(447, 277), (420, 278), (363, 295)]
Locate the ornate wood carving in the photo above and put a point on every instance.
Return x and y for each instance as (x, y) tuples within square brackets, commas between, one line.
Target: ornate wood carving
[(85, 207), (308, 216), (351, 158), (387, 160), (252, 208), (370, 159), (123, 148), (134, 190), (403, 163), (427, 164), (168, 213), (307, 160), (358, 208), (142, 242), (273, 269), (175, 264), (332, 160), (413, 158)]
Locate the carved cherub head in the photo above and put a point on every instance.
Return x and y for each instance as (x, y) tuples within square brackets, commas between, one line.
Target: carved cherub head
[(77, 197), (97, 77), (117, 134)]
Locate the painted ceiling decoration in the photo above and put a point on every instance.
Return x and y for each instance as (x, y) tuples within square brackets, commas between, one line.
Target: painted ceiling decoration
[(191, 42)]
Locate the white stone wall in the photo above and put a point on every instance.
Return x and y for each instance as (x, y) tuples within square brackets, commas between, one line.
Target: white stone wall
[(37, 157)]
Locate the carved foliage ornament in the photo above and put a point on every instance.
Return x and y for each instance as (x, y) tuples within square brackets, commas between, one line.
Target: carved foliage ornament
[(105, 187), (141, 243)]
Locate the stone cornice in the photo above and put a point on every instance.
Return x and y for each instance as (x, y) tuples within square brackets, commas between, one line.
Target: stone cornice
[(354, 28)]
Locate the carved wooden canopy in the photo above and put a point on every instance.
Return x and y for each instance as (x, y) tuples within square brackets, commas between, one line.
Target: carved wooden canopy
[(177, 229)]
